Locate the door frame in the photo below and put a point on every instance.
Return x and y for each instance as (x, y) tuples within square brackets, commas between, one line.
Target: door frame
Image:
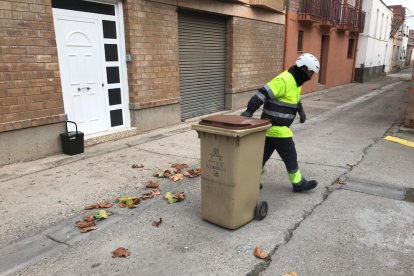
[(122, 58)]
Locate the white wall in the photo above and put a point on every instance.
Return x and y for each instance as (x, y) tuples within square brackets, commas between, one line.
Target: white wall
[(372, 43)]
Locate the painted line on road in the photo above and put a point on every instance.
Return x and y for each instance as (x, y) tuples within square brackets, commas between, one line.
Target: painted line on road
[(399, 141)]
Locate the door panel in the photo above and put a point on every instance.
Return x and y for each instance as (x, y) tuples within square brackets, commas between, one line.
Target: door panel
[(80, 56)]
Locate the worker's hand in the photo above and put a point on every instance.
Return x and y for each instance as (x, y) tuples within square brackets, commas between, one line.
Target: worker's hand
[(302, 115), (246, 114)]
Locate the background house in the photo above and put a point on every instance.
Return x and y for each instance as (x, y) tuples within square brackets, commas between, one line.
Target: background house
[(119, 68), (373, 42), (396, 45), (329, 29)]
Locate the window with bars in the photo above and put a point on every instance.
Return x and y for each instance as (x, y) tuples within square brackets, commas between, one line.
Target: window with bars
[(351, 48), (300, 41)]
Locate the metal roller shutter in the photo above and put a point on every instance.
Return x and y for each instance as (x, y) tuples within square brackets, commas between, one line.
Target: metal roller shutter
[(202, 47)]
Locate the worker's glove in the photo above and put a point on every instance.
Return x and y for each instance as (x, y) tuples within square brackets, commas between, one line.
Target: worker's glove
[(302, 116), (302, 113), (246, 114)]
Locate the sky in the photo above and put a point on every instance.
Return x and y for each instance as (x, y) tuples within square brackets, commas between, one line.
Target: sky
[(405, 3)]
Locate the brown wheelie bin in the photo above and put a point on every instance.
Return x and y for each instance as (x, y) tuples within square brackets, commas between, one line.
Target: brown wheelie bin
[(231, 164)]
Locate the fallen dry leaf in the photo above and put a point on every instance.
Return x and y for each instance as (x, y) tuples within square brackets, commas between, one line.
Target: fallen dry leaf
[(130, 202), (151, 194), (163, 174), (120, 252), (87, 229), (167, 174), (170, 197), (88, 218), (157, 223), (290, 274), (259, 253), (179, 166), (137, 166), (180, 196), (192, 173), (99, 205), (101, 214), (152, 185), (85, 224), (176, 177), (339, 181)]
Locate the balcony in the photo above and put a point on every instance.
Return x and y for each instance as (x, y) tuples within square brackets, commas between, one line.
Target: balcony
[(331, 12), (348, 20), (310, 11), (274, 5), (361, 21)]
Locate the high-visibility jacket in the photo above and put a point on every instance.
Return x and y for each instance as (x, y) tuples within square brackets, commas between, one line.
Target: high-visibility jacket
[(281, 104)]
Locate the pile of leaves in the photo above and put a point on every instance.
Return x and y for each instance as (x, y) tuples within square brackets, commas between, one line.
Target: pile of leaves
[(178, 174), (89, 221)]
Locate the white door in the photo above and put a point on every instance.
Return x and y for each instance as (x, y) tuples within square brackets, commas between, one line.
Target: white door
[(80, 60)]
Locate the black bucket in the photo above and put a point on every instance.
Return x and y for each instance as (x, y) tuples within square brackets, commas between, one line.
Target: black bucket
[(72, 142)]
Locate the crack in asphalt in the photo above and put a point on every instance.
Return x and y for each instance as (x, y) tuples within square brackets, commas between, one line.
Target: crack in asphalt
[(256, 271), (58, 241), (288, 236)]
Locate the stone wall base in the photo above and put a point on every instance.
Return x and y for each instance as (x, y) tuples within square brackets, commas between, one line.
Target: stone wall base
[(368, 73), (30, 143), (155, 117), (238, 100)]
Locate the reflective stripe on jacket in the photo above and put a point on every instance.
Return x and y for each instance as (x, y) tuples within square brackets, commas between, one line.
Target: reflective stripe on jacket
[(282, 105)]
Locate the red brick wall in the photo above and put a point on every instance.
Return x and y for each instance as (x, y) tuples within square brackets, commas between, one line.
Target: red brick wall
[(30, 90), (294, 5), (151, 31), (254, 53)]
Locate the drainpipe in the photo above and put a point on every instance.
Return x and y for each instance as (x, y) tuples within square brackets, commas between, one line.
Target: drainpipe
[(355, 55), (284, 43)]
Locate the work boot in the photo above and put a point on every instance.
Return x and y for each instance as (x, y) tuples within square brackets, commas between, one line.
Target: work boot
[(305, 186)]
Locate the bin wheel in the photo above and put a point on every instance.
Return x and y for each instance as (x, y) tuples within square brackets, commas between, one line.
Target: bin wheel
[(261, 210)]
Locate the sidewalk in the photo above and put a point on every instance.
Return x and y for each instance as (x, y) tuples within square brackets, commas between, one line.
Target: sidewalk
[(41, 200)]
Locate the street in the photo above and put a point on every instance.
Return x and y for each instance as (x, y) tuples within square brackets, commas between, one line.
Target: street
[(359, 222)]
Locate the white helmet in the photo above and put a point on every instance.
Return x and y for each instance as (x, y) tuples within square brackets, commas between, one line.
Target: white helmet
[(308, 60)]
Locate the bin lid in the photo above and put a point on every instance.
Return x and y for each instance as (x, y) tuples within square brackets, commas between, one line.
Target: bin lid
[(233, 122)]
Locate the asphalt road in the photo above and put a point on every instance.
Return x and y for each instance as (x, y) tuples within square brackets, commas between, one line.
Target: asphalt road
[(359, 222)]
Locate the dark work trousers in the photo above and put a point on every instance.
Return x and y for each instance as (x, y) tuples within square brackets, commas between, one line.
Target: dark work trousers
[(285, 147)]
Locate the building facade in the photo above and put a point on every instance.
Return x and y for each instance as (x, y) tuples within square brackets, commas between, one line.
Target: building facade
[(410, 48), (328, 29), (373, 42), (119, 68)]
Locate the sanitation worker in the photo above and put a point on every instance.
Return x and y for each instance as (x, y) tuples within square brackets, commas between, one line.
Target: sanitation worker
[(281, 99)]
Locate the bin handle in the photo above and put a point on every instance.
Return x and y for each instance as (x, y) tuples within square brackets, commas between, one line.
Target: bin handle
[(76, 126)]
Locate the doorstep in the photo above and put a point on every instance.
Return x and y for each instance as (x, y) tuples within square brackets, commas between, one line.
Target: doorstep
[(106, 136)]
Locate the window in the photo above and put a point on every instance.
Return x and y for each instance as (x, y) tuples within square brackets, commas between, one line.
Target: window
[(300, 41), (351, 48), (376, 24)]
